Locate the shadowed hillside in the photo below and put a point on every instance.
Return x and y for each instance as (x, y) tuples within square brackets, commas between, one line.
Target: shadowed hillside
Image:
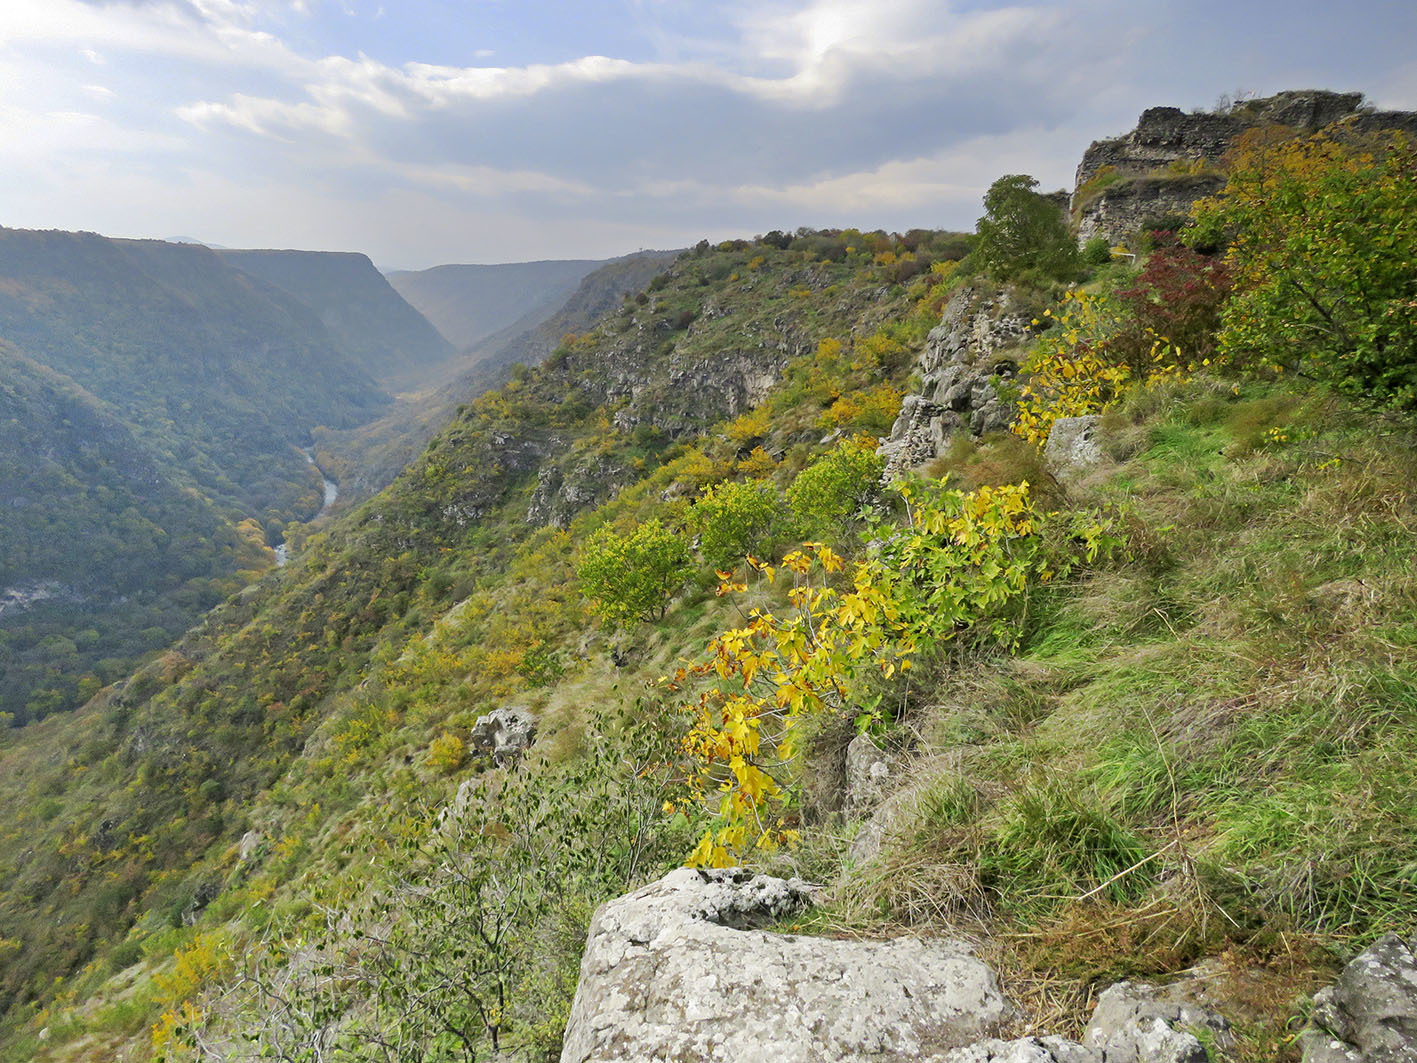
[(371, 323)]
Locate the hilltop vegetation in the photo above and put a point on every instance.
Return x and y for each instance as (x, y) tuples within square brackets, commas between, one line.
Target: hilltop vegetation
[(1143, 713)]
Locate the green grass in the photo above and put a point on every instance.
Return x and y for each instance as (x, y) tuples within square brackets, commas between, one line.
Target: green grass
[(1205, 747)]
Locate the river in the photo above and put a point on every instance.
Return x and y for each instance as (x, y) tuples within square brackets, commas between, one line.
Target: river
[(331, 493)]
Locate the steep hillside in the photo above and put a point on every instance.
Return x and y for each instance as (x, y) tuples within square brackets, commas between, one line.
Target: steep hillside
[(222, 729), (211, 366), (364, 316), (158, 400), (1063, 603), (467, 304), (369, 457), (106, 554)]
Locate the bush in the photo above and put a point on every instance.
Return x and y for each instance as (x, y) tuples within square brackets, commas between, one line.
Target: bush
[(632, 577), (828, 492), (732, 519), (1097, 252), (1321, 246)]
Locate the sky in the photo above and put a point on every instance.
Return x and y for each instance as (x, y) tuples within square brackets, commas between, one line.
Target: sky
[(430, 131)]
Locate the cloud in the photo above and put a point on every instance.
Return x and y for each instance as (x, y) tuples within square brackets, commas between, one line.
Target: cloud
[(584, 120)]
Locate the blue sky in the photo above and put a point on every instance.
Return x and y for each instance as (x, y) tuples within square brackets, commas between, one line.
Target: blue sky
[(424, 132)]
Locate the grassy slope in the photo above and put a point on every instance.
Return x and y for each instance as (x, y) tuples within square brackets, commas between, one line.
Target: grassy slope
[(1232, 707)]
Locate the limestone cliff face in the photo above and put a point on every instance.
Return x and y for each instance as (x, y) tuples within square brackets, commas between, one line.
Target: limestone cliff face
[(1166, 138), (1164, 135), (967, 355)]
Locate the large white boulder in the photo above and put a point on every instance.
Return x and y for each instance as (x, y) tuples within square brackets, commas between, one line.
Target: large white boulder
[(677, 971)]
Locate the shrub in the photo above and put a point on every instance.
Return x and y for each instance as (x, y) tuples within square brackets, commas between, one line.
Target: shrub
[(1097, 252), (1322, 232), (446, 753), (632, 577), (828, 492), (1178, 296), (731, 519)]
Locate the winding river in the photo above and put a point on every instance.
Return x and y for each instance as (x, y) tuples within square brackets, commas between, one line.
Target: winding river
[(331, 493)]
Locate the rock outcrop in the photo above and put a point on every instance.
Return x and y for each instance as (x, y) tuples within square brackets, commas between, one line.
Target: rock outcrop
[(1143, 204), (1370, 1014), (1165, 135), (868, 773), (1133, 1023), (961, 366), (1071, 448), (505, 733), (1167, 162), (676, 971)]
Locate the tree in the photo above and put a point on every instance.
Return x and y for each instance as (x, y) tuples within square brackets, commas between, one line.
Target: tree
[(1323, 242), (731, 518), (1023, 231), (828, 492), (632, 577)]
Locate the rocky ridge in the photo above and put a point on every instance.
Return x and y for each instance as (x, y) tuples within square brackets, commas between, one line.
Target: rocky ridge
[(966, 359), (1167, 162)]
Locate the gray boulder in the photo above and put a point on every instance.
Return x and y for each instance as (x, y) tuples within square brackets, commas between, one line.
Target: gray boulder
[(1139, 1023), (676, 971), (1132, 1023), (1072, 447), (505, 733), (1370, 1014)]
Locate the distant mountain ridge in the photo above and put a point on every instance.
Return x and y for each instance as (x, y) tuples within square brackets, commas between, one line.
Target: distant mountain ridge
[(371, 455), (469, 303), (390, 339)]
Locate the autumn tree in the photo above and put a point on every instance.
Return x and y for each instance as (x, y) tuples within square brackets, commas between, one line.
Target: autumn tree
[(1323, 247)]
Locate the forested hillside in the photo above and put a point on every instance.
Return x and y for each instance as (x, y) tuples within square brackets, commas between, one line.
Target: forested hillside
[(156, 399), (364, 316)]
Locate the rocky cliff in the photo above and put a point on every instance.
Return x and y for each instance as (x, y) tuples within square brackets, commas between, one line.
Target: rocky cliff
[(1171, 158), (967, 357)]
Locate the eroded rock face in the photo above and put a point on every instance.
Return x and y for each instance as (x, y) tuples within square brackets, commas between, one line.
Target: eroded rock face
[(1370, 1014), (959, 369), (505, 733), (1139, 204), (675, 971)]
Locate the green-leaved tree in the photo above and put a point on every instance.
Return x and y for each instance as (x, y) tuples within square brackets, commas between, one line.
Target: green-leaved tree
[(1022, 231), (632, 577)]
